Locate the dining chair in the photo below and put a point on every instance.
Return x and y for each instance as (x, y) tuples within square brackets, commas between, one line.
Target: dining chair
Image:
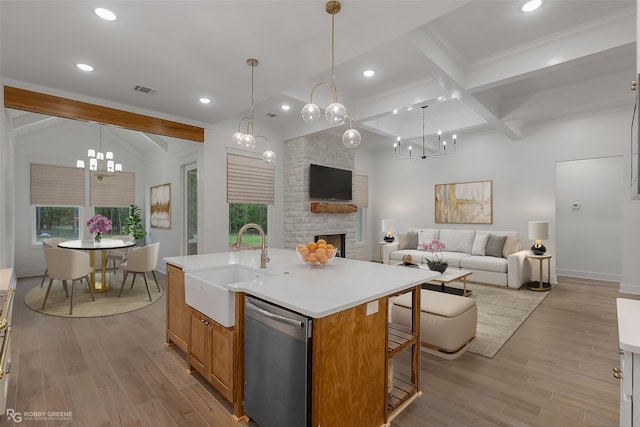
[(141, 260), (67, 264), (118, 254), (51, 242)]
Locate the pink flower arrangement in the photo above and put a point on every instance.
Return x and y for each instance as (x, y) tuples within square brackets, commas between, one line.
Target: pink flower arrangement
[(434, 247), (99, 224)]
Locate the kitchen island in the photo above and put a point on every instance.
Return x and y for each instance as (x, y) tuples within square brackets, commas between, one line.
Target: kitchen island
[(352, 341)]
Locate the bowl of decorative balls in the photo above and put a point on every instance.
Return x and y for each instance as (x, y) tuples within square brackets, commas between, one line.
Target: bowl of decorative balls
[(316, 253)]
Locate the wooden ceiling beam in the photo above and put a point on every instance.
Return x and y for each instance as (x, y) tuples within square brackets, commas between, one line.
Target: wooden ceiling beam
[(26, 100)]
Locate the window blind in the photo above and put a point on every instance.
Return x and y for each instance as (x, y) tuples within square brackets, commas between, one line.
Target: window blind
[(361, 190), (249, 180), (114, 191), (56, 185)]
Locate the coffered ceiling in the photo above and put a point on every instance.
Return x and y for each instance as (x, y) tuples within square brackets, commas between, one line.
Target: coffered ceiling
[(479, 65)]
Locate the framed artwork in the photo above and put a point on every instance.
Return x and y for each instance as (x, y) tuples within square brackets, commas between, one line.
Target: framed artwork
[(161, 206), (464, 203)]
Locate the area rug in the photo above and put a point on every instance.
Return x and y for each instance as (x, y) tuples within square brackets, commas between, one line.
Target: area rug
[(500, 313), (106, 303)]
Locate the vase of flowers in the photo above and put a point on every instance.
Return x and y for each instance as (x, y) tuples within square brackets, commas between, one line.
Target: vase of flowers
[(98, 225), (435, 263)]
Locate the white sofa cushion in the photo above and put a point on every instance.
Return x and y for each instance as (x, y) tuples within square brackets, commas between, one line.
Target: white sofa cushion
[(480, 244), (425, 237), (486, 263), (452, 258), (395, 257), (458, 240)]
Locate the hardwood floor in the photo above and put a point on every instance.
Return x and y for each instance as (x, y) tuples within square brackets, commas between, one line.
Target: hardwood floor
[(556, 370)]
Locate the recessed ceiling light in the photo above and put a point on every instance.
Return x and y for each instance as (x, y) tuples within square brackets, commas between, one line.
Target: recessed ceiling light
[(204, 100), (368, 73), (410, 108), (85, 67), (285, 107), (395, 111), (531, 5), (441, 98), (105, 14)]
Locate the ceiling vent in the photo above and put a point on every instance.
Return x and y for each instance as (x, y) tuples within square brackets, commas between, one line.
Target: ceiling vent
[(144, 89), (272, 115)]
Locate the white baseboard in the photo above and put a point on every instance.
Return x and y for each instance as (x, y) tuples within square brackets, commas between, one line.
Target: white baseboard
[(629, 289), (589, 275)]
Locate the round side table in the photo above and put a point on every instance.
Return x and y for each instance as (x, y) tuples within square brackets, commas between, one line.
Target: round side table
[(541, 286)]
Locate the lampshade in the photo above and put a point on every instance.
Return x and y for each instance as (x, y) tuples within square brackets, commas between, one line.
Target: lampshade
[(538, 230), (389, 225)]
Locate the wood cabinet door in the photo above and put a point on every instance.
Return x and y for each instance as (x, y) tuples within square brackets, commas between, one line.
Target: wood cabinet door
[(198, 342), (222, 344), (177, 312)]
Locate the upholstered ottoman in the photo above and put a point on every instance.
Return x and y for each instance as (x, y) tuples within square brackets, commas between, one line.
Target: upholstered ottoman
[(447, 322)]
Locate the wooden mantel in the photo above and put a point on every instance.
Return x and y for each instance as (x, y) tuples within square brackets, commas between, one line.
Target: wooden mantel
[(317, 207)]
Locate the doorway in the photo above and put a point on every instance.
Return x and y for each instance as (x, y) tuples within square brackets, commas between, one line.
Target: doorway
[(589, 218)]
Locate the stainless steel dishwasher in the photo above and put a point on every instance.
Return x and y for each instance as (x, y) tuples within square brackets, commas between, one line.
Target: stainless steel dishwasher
[(277, 365)]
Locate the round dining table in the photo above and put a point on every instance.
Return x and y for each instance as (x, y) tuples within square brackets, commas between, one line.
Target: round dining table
[(104, 245)]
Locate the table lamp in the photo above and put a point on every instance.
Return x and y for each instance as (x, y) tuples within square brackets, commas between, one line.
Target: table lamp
[(538, 231), (388, 228)]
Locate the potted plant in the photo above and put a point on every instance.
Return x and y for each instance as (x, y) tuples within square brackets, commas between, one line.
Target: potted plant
[(133, 224), (435, 263)]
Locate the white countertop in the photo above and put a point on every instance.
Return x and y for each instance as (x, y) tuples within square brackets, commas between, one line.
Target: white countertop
[(315, 291), (628, 321)]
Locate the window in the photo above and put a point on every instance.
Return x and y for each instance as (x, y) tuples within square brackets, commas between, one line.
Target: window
[(244, 213), (361, 225), (191, 208), (56, 221), (118, 190), (361, 198), (250, 189), (118, 217)]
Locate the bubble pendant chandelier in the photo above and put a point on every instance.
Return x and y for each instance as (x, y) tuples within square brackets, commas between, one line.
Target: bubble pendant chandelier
[(246, 139), (336, 113)]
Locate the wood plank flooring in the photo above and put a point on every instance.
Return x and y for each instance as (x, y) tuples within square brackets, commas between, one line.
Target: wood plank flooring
[(556, 370)]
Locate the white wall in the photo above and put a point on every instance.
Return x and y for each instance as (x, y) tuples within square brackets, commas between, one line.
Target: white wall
[(215, 229), (7, 192), (524, 179), (166, 167)]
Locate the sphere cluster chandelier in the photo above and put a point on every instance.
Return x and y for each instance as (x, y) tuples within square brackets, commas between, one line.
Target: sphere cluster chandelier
[(336, 113), (247, 139)]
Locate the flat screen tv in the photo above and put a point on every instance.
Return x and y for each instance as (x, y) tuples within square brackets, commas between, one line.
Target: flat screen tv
[(329, 183)]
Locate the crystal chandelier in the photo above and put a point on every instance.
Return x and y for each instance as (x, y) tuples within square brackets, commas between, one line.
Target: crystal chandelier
[(246, 139), (406, 151), (335, 113), (101, 164)]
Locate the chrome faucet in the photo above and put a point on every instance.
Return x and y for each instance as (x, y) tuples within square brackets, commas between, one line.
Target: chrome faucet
[(264, 259)]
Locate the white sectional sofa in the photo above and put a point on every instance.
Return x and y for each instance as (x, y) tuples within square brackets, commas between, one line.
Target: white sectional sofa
[(494, 257)]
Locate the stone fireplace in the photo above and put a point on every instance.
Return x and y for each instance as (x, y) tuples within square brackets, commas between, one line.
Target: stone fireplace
[(300, 224), (337, 240)]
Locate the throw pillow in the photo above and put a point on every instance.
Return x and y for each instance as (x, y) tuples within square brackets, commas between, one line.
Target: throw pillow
[(480, 244), (402, 241), (495, 245), (412, 239)]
